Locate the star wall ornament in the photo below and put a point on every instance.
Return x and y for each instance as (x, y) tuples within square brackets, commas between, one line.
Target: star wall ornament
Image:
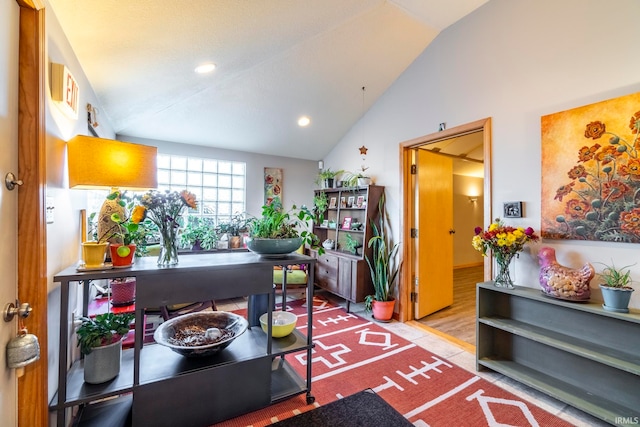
[(363, 150)]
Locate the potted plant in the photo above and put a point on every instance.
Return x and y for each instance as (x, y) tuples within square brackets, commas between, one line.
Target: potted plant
[(384, 267), (276, 231), (356, 179), (100, 341), (616, 289), (351, 244), (320, 205), (199, 233), (233, 229), (326, 176)]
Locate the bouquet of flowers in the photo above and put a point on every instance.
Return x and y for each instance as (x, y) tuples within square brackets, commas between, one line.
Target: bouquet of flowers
[(164, 210), (505, 242)]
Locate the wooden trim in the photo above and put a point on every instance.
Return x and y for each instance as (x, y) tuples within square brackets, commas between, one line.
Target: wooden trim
[(407, 217), (33, 406), (468, 265)]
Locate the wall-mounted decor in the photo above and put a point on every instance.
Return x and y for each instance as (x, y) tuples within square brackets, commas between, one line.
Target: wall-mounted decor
[(591, 172), (272, 185), (512, 209)]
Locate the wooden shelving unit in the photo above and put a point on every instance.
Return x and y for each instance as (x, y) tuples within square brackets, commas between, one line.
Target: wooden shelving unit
[(339, 271), (576, 352)]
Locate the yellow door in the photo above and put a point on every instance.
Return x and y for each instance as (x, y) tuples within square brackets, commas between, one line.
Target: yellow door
[(434, 242)]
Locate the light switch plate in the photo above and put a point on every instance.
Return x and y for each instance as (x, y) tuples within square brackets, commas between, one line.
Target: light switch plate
[(49, 210)]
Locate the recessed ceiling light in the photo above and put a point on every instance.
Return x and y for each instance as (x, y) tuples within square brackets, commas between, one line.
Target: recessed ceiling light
[(205, 68), (304, 121)]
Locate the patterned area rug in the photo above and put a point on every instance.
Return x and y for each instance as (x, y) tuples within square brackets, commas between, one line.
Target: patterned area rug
[(353, 354)]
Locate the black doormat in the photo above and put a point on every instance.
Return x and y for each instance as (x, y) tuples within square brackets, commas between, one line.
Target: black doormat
[(363, 409)]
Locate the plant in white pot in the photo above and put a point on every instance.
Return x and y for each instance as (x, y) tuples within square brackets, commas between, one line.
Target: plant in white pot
[(616, 289), (384, 267), (100, 341)]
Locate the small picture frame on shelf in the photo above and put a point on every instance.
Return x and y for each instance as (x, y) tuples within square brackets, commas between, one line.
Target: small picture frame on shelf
[(346, 223), (360, 202), (332, 203), (350, 201), (325, 223), (343, 202)]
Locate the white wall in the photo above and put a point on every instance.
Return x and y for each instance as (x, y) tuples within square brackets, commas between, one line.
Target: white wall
[(298, 175), (513, 61), (466, 217)]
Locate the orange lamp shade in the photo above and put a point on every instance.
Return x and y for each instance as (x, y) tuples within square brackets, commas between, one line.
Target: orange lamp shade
[(96, 163)]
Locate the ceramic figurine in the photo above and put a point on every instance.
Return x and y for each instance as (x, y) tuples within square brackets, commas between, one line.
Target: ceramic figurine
[(564, 282)]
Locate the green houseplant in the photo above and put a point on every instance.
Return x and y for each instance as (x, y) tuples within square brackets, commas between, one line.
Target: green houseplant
[(384, 267), (320, 205), (616, 289), (233, 229), (199, 233), (100, 340), (277, 232), (326, 176)]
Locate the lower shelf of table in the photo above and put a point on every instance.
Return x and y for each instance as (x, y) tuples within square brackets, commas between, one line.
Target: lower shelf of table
[(597, 405), (117, 411), (158, 363)]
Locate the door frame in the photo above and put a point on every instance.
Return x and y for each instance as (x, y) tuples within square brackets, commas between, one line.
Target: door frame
[(407, 217), (33, 405)]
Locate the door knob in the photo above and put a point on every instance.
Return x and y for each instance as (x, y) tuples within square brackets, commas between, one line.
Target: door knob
[(10, 310), (11, 181)]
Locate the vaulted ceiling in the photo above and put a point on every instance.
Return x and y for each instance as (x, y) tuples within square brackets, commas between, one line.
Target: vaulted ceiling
[(276, 60)]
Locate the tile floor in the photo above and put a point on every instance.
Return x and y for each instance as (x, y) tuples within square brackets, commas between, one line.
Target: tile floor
[(462, 356)]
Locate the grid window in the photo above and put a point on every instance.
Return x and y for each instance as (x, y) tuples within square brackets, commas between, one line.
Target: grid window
[(219, 185)]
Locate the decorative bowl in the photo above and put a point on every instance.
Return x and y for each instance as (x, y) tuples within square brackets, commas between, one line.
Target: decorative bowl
[(283, 323), (273, 248), (187, 334)]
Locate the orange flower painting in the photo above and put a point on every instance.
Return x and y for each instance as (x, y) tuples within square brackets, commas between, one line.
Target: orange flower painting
[(591, 172), (272, 185)]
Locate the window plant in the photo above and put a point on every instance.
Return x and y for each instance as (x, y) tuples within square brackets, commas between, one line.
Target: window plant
[(199, 233), (616, 289), (383, 265), (233, 229)]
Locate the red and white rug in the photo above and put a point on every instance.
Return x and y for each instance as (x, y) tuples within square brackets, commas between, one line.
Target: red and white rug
[(352, 354)]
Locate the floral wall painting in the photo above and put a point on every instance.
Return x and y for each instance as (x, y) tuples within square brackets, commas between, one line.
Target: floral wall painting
[(591, 172), (272, 185)]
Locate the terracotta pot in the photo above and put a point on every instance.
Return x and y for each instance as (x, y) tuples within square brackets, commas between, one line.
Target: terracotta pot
[(119, 260), (235, 242), (383, 310)]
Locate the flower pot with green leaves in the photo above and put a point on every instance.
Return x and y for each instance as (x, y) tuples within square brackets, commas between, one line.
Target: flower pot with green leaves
[(199, 233), (278, 232), (616, 289), (320, 205), (234, 229), (326, 177), (356, 179), (100, 341), (383, 266)]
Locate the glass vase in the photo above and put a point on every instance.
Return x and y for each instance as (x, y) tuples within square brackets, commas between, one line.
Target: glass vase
[(503, 276), (168, 246)]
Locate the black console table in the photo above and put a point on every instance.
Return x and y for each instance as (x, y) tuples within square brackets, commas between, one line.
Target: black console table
[(161, 388)]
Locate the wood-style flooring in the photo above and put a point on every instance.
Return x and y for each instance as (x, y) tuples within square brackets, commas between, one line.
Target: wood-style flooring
[(459, 320)]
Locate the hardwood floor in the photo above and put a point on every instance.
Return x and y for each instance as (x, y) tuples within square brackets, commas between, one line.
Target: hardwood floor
[(459, 320)]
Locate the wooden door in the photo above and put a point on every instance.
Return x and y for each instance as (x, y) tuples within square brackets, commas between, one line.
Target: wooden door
[(9, 20), (434, 242)]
